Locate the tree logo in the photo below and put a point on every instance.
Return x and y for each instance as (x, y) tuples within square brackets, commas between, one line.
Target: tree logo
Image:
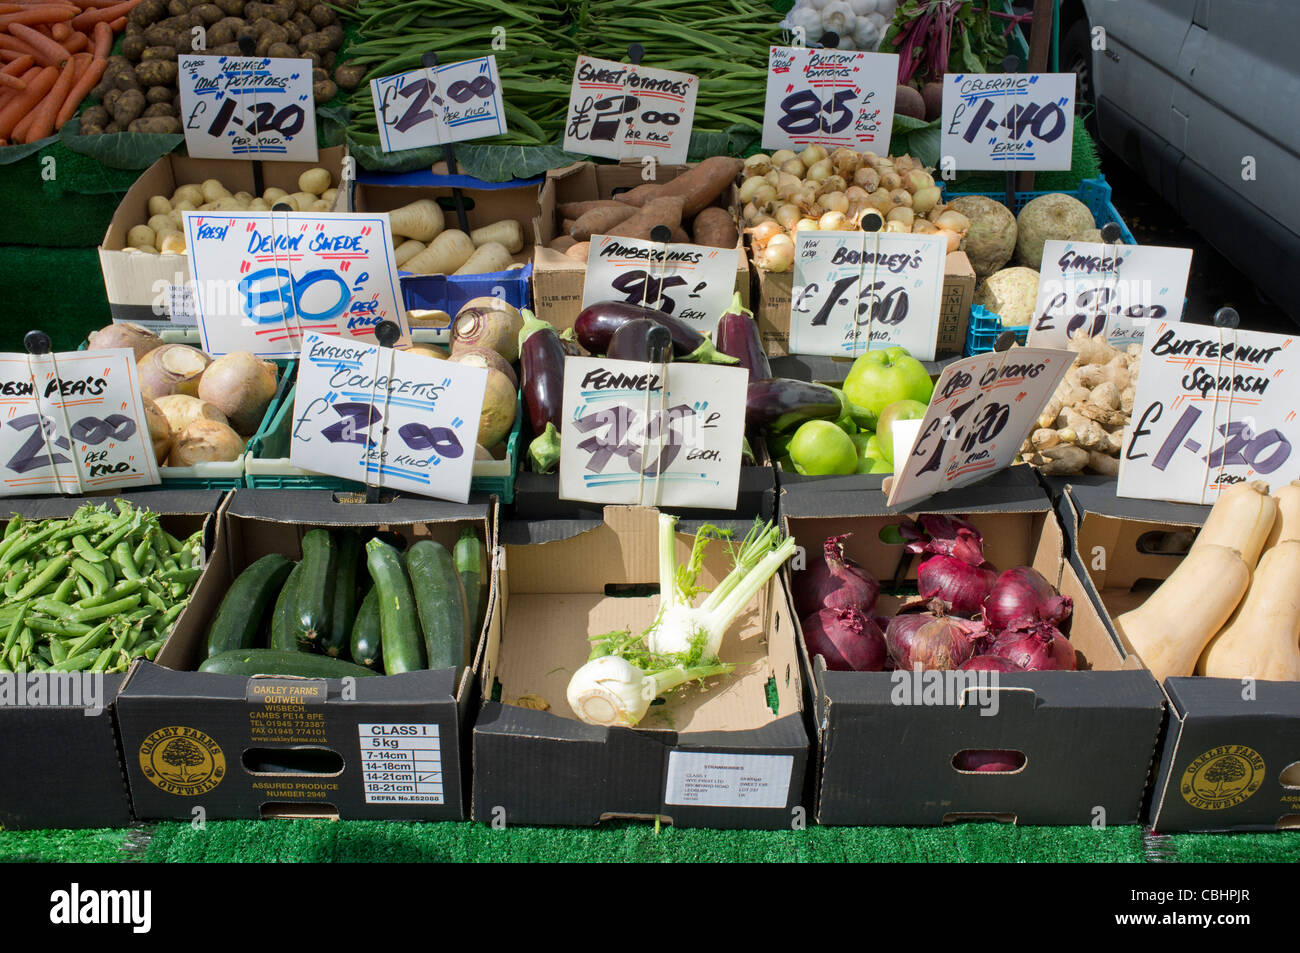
[(182, 761), (1222, 777)]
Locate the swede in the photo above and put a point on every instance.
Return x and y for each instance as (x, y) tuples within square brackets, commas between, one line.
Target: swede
[(241, 386), (488, 322), (125, 334), (181, 410), (205, 441), (172, 369), (160, 434)]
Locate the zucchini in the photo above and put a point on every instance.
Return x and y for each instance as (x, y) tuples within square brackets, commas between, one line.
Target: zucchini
[(440, 602), (282, 628), (240, 614), (343, 594), (319, 557), (367, 647), (274, 662), (472, 566), (399, 625)]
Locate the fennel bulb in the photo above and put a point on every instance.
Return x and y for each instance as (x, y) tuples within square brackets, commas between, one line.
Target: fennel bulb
[(610, 690)]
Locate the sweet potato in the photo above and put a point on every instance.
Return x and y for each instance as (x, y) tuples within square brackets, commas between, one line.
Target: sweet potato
[(680, 236), (715, 227), (660, 211), (562, 244), (578, 251), (599, 221), (576, 210), (698, 186)]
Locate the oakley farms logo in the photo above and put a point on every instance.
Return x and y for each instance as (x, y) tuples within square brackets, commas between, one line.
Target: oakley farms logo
[(182, 761)]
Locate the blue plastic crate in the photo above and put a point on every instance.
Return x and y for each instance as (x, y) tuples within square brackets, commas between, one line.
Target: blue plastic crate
[(983, 329), (1094, 193), (449, 293)]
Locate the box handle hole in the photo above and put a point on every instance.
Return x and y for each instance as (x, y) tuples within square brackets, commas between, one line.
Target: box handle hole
[(1289, 822), (1290, 776), (631, 590), (289, 810), (977, 817), (988, 761), (1162, 543), (321, 762)]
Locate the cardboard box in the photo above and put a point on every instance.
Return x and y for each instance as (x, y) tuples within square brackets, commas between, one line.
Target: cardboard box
[(59, 762), (274, 747), (773, 293), (137, 283), (558, 279), (887, 740), (1230, 756), (728, 757)]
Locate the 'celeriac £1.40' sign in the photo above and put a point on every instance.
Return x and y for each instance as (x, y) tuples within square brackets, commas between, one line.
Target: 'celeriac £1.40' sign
[(652, 434), (1007, 121), (263, 279), (73, 423), (386, 418)]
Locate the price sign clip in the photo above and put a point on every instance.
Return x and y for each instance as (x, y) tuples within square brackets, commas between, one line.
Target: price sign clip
[(387, 334), (430, 62)]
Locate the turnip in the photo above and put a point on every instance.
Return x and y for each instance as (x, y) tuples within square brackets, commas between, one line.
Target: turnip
[(139, 339), (205, 441), (500, 403), (241, 386), (487, 359), (172, 369)]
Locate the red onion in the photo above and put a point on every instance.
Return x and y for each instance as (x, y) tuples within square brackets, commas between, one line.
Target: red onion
[(990, 663), (944, 535), (956, 582), (848, 640), (992, 760), (1035, 647), (934, 640), (834, 582), (1023, 594)]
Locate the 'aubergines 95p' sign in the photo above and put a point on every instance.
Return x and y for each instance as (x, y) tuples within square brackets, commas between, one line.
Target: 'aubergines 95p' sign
[(853, 291), (263, 279), (386, 418), (73, 423), (982, 410), (652, 434), (1213, 407)]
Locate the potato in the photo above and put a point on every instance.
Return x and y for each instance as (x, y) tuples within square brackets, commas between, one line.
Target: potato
[(349, 75), (320, 205), (162, 222), (330, 195), (316, 42), (284, 51), (140, 235), (128, 107), (178, 7), (207, 13), (259, 205), (172, 243), (133, 47), (156, 125), (232, 8), (315, 181), (125, 79), (177, 219), (228, 203), (145, 249), (159, 94), (147, 12), (111, 128), (159, 109), (158, 204), (213, 190), (324, 92), (273, 195), (184, 205), (95, 116), (224, 31), (226, 49), (158, 53), (243, 198)]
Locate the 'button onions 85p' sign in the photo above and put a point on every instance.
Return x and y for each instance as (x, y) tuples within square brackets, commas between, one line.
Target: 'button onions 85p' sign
[(1213, 407), (632, 436), (832, 97)]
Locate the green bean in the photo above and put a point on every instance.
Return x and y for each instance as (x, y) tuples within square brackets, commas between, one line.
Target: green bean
[(88, 552)]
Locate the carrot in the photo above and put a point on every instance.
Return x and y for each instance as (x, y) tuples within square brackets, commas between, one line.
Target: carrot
[(80, 90), (22, 104), (61, 31), (35, 15), (47, 110), (43, 43), (20, 130), (13, 43), (19, 66), (13, 82), (103, 36), (89, 18), (76, 42), (118, 25)]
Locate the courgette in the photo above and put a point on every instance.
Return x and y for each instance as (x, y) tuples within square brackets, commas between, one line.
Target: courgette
[(399, 624), (274, 662), (240, 614), (440, 603), (367, 645), (472, 565), (283, 632), (313, 598), (343, 610)]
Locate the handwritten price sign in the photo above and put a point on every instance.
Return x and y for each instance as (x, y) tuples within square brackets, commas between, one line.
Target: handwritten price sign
[(691, 282), (623, 111), (385, 417), (72, 423), (982, 410), (853, 291), (632, 436), (1008, 121), (263, 279), (432, 107), (834, 97), (1106, 289), (1214, 407), (247, 107)]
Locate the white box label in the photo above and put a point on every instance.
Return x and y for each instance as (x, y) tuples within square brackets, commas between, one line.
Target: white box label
[(704, 779), (401, 764)]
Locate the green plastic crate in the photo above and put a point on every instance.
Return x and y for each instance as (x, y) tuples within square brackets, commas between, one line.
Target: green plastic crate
[(267, 466)]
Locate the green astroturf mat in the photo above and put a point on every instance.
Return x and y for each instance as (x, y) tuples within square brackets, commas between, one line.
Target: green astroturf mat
[(376, 841), (59, 290)]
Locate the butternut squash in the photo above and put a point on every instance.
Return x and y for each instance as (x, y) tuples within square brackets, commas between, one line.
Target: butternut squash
[(1241, 519), (1286, 527), (1169, 631), (1262, 639)]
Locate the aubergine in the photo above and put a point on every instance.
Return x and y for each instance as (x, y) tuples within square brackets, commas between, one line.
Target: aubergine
[(596, 325), (738, 336), (631, 342), (541, 360), (780, 403)]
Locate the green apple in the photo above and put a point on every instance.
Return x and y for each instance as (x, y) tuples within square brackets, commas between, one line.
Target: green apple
[(820, 448), (898, 410), (878, 378), (870, 459)]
